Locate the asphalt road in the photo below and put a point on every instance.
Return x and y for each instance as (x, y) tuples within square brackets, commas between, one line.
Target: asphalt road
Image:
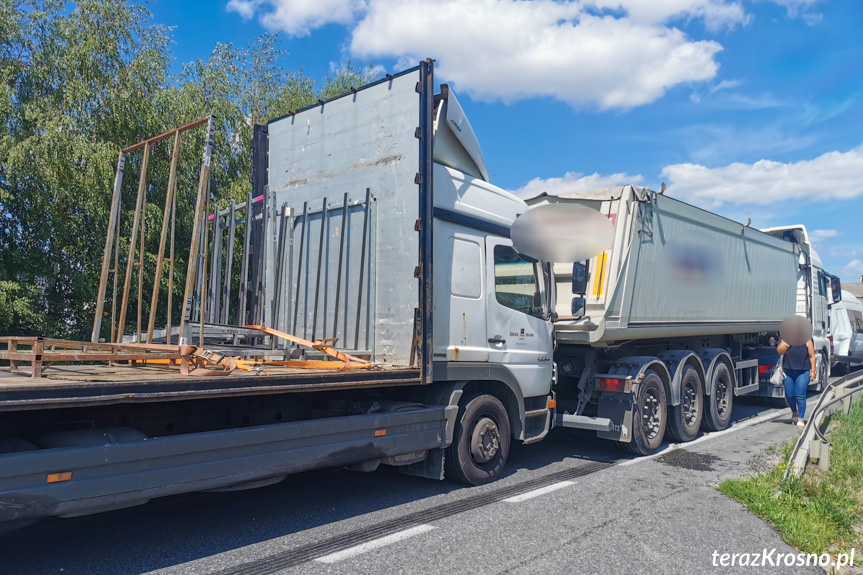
[(570, 504)]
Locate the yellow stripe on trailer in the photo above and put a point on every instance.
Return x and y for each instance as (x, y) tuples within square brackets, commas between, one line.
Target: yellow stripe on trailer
[(599, 279)]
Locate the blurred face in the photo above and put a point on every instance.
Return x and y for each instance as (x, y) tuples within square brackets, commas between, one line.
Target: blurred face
[(795, 330)]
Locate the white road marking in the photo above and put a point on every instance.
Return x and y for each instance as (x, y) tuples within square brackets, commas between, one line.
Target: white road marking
[(766, 416), (538, 492), (374, 544)]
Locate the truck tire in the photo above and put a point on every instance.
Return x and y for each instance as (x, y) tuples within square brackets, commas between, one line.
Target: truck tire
[(823, 372), (684, 420), (651, 416), (717, 415), (481, 440)]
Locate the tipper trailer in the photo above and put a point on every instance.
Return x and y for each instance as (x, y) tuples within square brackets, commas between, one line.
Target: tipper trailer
[(658, 334), (373, 222)]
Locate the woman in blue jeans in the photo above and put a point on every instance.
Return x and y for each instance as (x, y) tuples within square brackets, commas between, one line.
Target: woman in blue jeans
[(798, 363)]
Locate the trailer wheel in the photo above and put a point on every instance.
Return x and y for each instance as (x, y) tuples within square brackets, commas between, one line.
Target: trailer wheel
[(685, 419), (481, 440), (717, 416), (651, 414)]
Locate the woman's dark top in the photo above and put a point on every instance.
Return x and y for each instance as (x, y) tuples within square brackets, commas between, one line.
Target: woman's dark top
[(797, 358)]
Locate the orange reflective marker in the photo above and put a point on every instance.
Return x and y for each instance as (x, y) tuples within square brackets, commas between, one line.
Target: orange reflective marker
[(57, 477)]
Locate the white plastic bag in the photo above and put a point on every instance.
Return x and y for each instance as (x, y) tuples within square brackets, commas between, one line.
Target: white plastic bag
[(778, 377)]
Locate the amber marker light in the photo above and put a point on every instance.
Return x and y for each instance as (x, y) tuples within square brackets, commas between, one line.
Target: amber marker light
[(58, 477)]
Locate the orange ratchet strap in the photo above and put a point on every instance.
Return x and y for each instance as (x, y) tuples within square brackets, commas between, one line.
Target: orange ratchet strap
[(201, 358), (350, 361)]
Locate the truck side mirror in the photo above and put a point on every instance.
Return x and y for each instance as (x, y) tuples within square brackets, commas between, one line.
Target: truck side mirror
[(578, 307), (580, 271), (836, 289)]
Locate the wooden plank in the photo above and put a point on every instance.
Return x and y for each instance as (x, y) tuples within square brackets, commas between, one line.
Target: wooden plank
[(168, 134), (200, 214), (109, 346), (17, 356), (130, 261), (71, 356), (160, 258), (37, 359), (171, 267), (113, 222), (67, 355), (13, 364)]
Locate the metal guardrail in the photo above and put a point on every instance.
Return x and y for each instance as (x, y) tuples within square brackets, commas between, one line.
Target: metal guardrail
[(812, 445)]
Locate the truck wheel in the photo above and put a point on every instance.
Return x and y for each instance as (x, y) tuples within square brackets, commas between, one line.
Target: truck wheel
[(651, 413), (480, 443), (717, 416), (823, 373), (685, 419)]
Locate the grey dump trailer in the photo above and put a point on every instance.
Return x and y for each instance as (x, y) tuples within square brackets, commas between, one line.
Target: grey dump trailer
[(659, 333), (372, 221)]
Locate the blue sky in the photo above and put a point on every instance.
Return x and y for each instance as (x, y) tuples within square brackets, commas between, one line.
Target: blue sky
[(752, 108)]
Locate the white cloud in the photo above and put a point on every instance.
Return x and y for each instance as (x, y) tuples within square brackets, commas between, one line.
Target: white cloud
[(245, 8), (853, 268), (818, 236), (572, 182), (831, 176), (801, 9), (511, 50), (724, 85), (588, 53), (298, 17), (715, 13)]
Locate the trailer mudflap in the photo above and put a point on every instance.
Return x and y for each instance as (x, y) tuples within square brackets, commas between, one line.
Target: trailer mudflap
[(620, 409), (114, 476)]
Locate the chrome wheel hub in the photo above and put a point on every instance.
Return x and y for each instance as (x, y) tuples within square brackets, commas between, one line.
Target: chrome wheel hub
[(690, 405), (485, 440), (721, 397), (650, 414)]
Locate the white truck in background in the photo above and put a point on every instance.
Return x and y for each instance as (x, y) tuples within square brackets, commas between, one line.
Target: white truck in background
[(846, 328), (817, 292)]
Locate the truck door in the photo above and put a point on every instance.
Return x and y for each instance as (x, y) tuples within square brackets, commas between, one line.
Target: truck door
[(519, 335)]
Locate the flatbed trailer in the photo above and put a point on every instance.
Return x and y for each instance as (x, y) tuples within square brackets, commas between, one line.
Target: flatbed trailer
[(92, 385), (371, 222)]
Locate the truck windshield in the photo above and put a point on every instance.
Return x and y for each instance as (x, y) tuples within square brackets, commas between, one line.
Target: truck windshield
[(518, 283)]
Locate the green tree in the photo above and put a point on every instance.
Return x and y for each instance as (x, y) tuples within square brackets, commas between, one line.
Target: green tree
[(77, 84)]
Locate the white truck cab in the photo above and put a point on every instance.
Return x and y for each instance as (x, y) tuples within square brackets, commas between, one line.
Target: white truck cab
[(817, 290), (492, 306)]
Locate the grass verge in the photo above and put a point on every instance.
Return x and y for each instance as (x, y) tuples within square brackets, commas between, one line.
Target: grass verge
[(821, 510)]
